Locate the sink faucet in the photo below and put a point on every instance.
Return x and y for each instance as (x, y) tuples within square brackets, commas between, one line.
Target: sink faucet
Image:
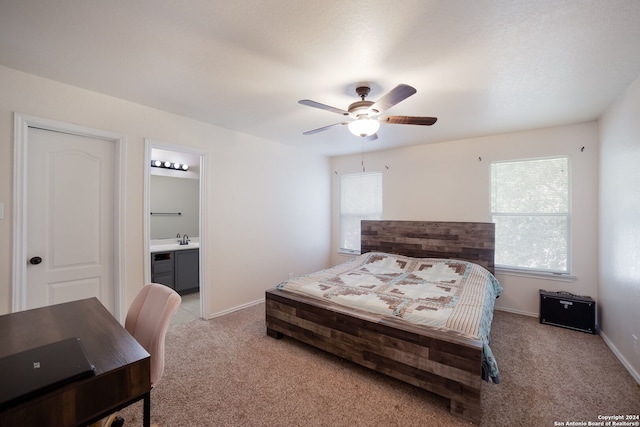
[(178, 237), (185, 240)]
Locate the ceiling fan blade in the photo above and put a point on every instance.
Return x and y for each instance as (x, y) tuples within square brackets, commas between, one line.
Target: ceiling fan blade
[(395, 95), (408, 120), (311, 132), (315, 104)]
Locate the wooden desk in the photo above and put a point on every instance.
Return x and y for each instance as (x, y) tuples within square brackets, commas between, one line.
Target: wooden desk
[(122, 365)]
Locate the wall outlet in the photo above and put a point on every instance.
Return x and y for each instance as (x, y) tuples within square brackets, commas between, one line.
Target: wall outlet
[(635, 344)]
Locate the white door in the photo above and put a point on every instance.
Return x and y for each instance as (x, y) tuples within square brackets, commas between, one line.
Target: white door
[(70, 218)]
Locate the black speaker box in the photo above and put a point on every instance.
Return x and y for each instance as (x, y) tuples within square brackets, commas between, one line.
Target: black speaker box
[(568, 311)]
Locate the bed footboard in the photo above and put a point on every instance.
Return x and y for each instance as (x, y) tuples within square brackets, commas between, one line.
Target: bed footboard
[(449, 366)]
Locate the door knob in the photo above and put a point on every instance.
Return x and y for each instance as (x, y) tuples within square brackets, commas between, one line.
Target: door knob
[(35, 260)]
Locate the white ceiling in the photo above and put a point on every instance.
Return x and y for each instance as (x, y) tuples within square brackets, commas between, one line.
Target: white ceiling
[(482, 67)]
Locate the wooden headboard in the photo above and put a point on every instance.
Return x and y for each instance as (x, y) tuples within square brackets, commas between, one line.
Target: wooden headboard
[(468, 241)]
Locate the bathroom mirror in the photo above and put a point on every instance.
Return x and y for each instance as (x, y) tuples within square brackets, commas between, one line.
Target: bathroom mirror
[(174, 207)]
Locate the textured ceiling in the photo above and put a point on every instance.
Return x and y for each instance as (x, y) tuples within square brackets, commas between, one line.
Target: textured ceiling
[(481, 66)]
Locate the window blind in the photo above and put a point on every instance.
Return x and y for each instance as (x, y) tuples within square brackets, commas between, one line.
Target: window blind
[(360, 198)]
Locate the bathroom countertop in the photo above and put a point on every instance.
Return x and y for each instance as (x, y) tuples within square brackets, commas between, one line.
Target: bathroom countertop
[(167, 245)]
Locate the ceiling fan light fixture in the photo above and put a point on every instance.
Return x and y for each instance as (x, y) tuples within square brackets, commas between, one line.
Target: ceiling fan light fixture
[(364, 126)]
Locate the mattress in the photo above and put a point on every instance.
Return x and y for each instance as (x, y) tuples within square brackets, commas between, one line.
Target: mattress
[(448, 295)]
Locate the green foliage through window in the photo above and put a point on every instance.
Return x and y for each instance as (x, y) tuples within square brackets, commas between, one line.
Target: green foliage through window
[(530, 207)]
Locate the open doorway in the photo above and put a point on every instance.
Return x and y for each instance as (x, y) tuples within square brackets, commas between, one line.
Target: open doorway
[(174, 206)]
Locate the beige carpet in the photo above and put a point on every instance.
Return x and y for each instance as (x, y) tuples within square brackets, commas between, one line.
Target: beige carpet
[(227, 372)]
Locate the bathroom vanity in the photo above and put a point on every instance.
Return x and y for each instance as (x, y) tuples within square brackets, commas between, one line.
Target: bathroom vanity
[(176, 266)]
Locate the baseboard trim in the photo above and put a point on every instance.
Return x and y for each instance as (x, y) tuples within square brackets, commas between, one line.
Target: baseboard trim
[(240, 307), (523, 313), (620, 357)]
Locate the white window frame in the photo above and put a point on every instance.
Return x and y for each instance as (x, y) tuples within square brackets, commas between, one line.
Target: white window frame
[(347, 218), (528, 271)]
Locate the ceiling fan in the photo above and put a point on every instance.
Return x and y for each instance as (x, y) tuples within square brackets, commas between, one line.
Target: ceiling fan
[(366, 115)]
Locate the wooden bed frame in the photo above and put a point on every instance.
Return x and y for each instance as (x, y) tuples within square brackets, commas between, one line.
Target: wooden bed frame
[(448, 365)]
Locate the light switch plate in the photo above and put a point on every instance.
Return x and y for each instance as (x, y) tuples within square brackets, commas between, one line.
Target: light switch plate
[(1, 210)]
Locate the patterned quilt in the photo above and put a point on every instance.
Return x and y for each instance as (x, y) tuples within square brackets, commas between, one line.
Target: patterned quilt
[(449, 295)]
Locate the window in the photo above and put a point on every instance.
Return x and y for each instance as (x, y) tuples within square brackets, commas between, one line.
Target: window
[(361, 198), (530, 207)]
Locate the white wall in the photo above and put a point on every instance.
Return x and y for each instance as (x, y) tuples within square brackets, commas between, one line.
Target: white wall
[(619, 293), (450, 182), (267, 201)]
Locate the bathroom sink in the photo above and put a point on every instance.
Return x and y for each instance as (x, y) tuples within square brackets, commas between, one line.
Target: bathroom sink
[(173, 246)]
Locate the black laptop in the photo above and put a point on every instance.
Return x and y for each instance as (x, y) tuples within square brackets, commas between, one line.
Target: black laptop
[(41, 369)]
